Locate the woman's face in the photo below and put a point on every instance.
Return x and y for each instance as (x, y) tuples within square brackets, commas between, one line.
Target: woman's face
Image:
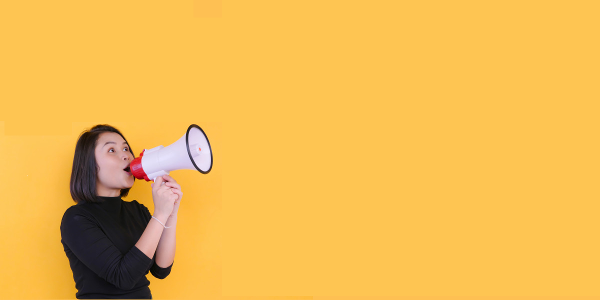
[(112, 156)]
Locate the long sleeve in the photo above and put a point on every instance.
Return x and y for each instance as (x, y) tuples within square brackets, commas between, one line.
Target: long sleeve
[(160, 273), (95, 250)]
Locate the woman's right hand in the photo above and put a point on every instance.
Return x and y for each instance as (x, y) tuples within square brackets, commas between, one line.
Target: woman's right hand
[(164, 198)]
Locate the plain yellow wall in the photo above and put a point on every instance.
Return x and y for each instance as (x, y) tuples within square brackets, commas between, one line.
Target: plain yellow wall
[(367, 148)]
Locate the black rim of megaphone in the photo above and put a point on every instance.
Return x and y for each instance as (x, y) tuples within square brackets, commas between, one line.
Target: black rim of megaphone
[(187, 143)]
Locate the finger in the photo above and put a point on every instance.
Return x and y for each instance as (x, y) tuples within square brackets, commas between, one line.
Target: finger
[(173, 185), (168, 178), (157, 183), (160, 188), (173, 192), (174, 197), (178, 192), (163, 189)]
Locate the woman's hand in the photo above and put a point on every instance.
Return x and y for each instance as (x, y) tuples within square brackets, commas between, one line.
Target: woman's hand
[(175, 189), (163, 197)]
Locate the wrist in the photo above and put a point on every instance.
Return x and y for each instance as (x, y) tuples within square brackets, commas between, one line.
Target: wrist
[(160, 217), (172, 221)]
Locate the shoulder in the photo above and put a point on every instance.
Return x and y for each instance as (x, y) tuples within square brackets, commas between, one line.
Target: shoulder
[(74, 210), (135, 203), (76, 214), (138, 206)]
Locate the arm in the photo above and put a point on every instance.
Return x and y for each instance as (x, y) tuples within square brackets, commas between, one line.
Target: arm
[(156, 270), (151, 236), (165, 253), (93, 248)]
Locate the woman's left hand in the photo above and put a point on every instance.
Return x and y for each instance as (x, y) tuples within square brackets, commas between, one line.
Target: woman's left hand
[(176, 189)]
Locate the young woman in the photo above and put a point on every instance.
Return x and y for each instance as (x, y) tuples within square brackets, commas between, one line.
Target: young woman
[(112, 244)]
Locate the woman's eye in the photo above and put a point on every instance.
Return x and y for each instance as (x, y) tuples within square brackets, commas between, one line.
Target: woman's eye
[(114, 149)]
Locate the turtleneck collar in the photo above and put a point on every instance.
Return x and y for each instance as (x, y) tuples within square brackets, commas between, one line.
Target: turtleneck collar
[(110, 204)]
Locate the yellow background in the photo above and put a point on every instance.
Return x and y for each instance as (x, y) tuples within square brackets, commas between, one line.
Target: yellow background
[(362, 148)]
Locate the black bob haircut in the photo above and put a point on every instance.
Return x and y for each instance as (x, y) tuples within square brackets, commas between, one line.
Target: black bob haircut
[(85, 167)]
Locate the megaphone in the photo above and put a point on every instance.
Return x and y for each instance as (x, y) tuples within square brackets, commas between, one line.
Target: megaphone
[(192, 151)]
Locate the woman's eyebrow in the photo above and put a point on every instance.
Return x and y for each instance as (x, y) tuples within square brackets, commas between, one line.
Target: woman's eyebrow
[(114, 143)]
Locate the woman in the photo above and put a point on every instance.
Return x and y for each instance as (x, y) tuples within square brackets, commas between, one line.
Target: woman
[(112, 244)]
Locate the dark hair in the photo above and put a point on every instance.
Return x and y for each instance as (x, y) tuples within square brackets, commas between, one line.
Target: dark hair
[(85, 167)]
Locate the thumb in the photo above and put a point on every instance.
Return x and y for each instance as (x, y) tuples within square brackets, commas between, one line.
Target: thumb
[(157, 181)]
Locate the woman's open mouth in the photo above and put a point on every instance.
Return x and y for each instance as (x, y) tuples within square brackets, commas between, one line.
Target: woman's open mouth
[(127, 170)]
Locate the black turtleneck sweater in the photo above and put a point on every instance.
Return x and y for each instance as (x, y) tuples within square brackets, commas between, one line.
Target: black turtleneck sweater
[(99, 240)]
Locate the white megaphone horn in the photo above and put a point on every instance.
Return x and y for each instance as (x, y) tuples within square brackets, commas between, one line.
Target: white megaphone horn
[(192, 151)]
